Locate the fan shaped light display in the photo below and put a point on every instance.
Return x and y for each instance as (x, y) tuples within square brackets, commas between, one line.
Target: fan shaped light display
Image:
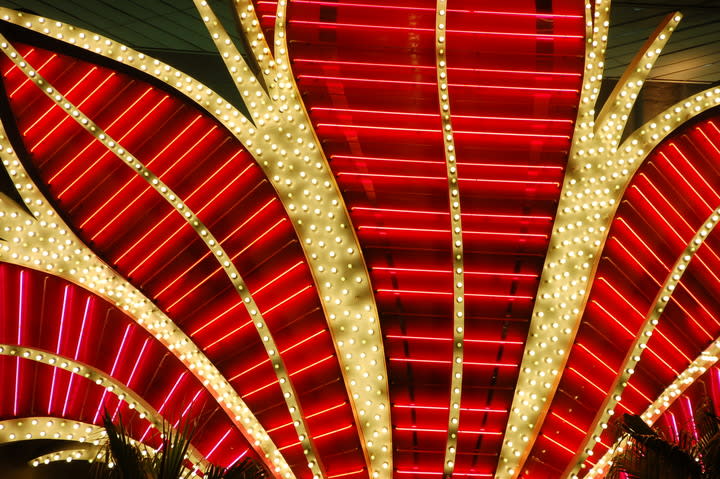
[(420, 248)]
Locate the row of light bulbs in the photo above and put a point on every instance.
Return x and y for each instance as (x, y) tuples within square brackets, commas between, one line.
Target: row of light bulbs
[(457, 240)]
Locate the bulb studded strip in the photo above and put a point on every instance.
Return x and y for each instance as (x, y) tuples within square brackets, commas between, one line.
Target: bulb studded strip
[(457, 240)]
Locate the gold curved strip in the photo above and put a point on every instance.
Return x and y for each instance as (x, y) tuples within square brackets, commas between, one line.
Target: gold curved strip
[(47, 427), (594, 182), (44, 242), (627, 369), (299, 172), (283, 377), (457, 240), (88, 454)]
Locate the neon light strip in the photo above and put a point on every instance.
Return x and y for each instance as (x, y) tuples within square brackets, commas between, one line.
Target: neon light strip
[(441, 361), (470, 295), (390, 128), (467, 273), (21, 313), (101, 404), (470, 341), (437, 115), (77, 354), (443, 408), (425, 429), (430, 84), (649, 325), (430, 230), (460, 163), (442, 213), (428, 67), (421, 9), (58, 347), (389, 28), (465, 180), (218, 443)]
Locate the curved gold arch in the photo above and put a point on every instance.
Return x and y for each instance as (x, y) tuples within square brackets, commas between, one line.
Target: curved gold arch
[(47, 427)]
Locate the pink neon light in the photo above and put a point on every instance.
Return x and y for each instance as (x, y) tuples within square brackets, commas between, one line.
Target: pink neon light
[(112, 372), (442, 178), (439, 473), (444, 293), (423, 429), (434, 338), (21, 312), (422, 9), (207, 456), (465, 363), (185, 411), (77, 353), (57, 347), (467, 273), (434, 85), (445, 408), (132, 373), (242, 454), (420, 29), (446, 213), (437, 115), (440, 163), (465, 232), (432, 67)]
